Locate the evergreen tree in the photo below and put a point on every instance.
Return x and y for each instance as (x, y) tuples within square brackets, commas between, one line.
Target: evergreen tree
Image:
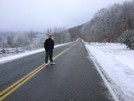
[(128, 38)]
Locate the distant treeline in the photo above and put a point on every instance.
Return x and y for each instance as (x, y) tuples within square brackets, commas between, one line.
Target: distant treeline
[(21, 39), (32, 39)]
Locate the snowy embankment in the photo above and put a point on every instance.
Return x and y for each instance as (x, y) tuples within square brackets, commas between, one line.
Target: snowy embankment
[(117, 64)]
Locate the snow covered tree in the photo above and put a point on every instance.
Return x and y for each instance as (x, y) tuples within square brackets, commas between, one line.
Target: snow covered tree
[(58, 35), (109, 23), (38, 41), (19, 39), (128, 38), (10, 40)]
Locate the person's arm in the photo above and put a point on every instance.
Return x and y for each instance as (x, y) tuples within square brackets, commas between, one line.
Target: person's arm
[(53, 44), (45, 45)]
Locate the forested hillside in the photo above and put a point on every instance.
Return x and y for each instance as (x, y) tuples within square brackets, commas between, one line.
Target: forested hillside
[(75, 32), (109, 23)]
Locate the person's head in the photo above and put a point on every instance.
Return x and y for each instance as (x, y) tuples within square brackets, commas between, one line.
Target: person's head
[(50, 36)]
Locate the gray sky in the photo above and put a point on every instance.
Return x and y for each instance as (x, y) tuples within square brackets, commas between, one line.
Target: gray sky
[(38, 15)]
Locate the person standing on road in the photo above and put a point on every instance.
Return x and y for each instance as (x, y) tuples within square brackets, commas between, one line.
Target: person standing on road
[(49, 46)]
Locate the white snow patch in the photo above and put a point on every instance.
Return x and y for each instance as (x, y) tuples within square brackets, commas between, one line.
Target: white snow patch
[(118, 63)]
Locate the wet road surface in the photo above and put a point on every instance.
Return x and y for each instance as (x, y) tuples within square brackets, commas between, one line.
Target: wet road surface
[(73, 78)]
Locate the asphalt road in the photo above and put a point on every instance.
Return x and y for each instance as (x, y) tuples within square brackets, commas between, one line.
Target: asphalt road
[(73, 78)]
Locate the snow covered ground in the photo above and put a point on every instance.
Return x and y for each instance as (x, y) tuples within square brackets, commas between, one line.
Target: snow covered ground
[(117, 63)]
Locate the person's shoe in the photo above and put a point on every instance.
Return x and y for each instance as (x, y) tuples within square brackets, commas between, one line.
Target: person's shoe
[(52, 63), (46, 64)]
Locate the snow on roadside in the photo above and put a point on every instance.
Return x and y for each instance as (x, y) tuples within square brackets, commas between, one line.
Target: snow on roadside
[(117, 62), (17, 56)]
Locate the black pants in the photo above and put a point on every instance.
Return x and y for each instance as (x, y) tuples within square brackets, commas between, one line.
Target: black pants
[(49, 54)]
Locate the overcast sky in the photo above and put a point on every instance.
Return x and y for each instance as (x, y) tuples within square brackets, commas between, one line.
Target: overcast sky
[(38, 15)]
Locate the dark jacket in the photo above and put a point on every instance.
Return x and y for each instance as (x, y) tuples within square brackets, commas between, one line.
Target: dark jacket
[(49, 44)]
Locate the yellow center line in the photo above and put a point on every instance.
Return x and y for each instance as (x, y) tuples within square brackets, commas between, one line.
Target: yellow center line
[(21, 81)]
